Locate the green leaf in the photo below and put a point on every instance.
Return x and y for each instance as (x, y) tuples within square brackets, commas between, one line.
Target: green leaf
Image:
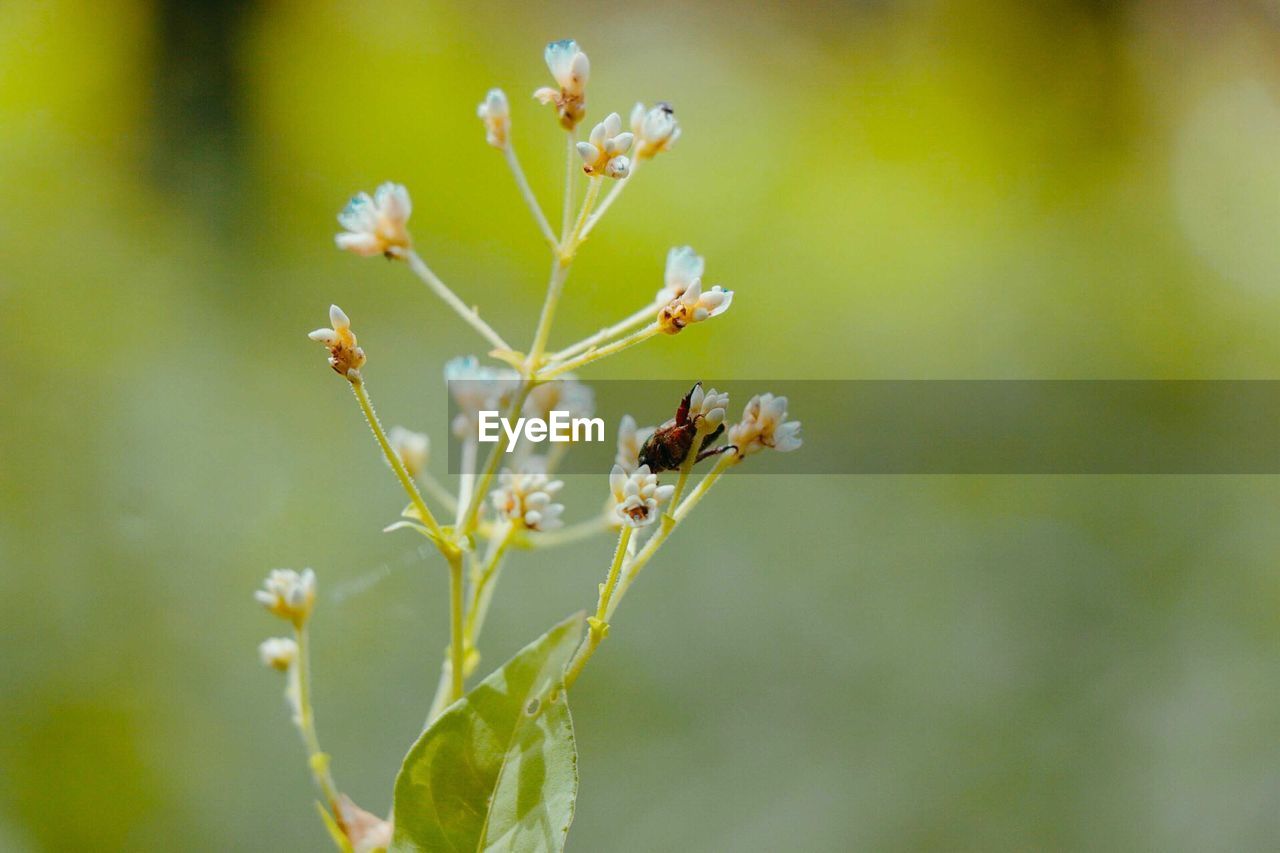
[(498, 770)]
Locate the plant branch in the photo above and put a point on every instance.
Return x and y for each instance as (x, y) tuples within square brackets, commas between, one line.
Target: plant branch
[(467, 313), (530, 199), (393, 459), (648, 312), (599, 625), (596, 354)]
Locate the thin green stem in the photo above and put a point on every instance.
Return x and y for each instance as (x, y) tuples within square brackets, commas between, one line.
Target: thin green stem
[(530, 199), (638, 562), (482, 591), (393, 458), (576, 236), (599, 626), (466, 312), (555, 286), (602, 352), (438, 491), (457, 644), (611, 198), (570, 169), (648, 312), (570, 534), (317, 759)]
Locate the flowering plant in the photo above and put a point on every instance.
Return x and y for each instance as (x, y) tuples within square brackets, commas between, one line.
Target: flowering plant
[(495, 767)]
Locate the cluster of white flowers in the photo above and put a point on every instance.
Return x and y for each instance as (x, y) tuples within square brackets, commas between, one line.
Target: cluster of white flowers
[(708, 406), (655, 130), (693, 306), (376, 226), (475, 388), (288, 594), (571, 69), (495, 112), (764, 425), (527, 499), (604, 152), (637, 495), (413, 448), (345, 354)]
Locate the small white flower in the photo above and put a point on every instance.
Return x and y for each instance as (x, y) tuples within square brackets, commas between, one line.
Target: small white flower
[(496, 115), (709, 406), (637, 495), (413, 448), (376, 226), (278, 653), (684, 267), (527, 500), (764, 424), (603, 152), (288, 594), (630, 439), (476, 387), (571, 69), (565, 394), (345, 354), (656, 130), (694, 306)]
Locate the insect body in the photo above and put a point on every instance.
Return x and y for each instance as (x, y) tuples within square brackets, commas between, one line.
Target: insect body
[(671, 443)]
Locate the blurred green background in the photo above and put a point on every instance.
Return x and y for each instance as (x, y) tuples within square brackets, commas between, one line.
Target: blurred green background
[(895, 190)]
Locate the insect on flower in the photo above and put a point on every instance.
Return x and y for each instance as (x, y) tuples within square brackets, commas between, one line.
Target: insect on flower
[(671, 443)]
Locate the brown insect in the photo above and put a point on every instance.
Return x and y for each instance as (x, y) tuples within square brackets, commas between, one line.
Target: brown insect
[(671, 443)]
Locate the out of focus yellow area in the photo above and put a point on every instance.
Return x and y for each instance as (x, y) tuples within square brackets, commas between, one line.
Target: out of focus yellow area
[(893, 190)]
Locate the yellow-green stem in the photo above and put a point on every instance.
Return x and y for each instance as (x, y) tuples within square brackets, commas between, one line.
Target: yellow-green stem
[(482, 591), (646, 313), (457, 645), (611, 198), (317, 760), (570, 169), (466, 312), (555, 286), (599, 626), (530, 199), (586, 358), (570, 245), (393, 458)]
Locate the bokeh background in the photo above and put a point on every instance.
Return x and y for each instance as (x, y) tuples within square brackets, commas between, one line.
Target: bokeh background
[(896, 190)]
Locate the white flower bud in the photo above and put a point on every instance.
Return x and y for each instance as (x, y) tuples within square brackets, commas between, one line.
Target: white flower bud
[(278, 653), (684, 267), (694, 306), (570, 68), (345, 354), (527, 500), (376, 226), (637, 496), (708, 406), (764, 425), (630, 440), (289, 595), (475, 387), (656, 130), (601, 153), (496, 115), (413, 448)]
